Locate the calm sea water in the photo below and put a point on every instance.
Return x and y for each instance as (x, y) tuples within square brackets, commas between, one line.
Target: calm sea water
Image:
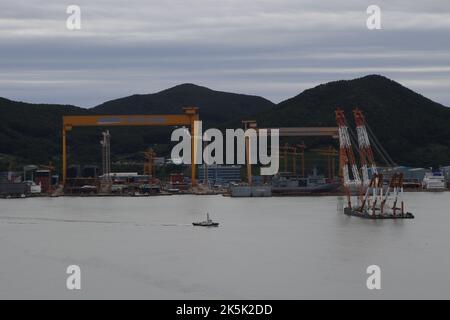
[(265, 248)]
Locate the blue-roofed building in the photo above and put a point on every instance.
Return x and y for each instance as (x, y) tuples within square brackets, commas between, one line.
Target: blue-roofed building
[(219, 174)]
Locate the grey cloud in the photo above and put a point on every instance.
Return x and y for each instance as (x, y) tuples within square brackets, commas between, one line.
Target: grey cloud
[(271, 48)]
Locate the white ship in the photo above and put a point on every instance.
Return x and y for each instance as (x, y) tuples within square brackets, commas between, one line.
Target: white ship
[(434, 181), (33, 187)]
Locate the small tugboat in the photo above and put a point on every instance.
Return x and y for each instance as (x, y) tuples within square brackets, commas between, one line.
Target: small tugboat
[(207, 223)]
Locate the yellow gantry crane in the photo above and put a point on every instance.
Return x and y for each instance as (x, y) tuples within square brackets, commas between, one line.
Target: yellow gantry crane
[(332, 132), (188, 118), (286, 151), (331, 154)]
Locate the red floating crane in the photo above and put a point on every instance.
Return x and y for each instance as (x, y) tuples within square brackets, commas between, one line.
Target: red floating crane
[(374, 199)]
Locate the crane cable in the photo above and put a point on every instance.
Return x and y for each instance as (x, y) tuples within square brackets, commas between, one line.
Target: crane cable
[(383, 153)]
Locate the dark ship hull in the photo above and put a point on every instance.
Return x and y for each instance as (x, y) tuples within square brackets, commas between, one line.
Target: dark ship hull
[(317, 189), (366, 215)]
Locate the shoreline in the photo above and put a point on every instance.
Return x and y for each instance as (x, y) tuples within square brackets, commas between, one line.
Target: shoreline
[(224, 194)]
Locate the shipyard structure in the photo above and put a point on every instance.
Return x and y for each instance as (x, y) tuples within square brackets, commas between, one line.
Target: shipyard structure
[(312, 161)]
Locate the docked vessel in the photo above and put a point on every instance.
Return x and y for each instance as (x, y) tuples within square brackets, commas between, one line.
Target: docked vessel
[(13, 190), (33, 187), (207, 223), (284, 184), (245, 190), (434, 181)]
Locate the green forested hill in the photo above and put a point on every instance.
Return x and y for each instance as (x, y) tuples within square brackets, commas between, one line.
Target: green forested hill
[(31, 132), (412, 128), (216, 107)]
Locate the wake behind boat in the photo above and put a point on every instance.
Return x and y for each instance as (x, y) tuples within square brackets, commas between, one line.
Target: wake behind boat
[(207, 223)]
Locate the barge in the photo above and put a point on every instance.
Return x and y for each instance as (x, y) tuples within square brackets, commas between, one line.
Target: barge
[(366, 215)]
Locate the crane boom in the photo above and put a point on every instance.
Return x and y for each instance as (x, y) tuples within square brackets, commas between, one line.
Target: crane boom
[(366, 155), (346, 152)]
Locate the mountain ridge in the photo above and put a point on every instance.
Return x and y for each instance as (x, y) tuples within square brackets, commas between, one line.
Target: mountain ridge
[(171, 100), (413, 128)]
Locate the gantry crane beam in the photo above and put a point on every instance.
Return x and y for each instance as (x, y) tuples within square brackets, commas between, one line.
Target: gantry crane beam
[(331, 154), (332, 132), (287, 150), (308, 132), (187, 119)]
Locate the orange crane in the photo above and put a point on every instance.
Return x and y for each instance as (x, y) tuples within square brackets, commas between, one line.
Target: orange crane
[(331, 154), (350, 172), (248, 124), (149, 164), (302, 147), (188, 118), (332, 132), (50, 169), (375, 201), (287, 151), (366, 156)]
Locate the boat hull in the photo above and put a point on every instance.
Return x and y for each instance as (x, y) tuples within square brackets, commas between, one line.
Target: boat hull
[(202, 224), (250, 191), (325, 188), (366, 215)]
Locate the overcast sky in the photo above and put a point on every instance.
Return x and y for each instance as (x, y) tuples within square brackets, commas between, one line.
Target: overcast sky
[(271, 48)]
